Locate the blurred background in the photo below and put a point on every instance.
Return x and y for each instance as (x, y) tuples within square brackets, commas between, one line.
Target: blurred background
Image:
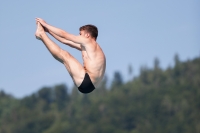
[(152, 78)]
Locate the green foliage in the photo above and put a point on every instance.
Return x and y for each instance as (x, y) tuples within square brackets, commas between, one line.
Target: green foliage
[(157, 101), (61, 96), (117, 80)]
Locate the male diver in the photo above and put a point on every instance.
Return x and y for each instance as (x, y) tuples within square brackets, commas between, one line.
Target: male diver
[(87, 76)]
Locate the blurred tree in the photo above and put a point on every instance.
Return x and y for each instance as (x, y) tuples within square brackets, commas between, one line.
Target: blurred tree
[(144, 74), (176, 59), (130, 71), (46, 94), (61, 95), (177, 68), (156, 64), (75, 92), (2, 93), (29, 101), (117, 80), (157, 76)]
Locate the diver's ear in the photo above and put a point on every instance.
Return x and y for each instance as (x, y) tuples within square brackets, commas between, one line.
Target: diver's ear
[(87, 35)]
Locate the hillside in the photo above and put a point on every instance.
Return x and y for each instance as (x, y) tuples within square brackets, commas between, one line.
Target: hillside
[(157, 101)]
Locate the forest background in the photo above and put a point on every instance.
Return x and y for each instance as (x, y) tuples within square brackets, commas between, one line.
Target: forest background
[(156, 101)]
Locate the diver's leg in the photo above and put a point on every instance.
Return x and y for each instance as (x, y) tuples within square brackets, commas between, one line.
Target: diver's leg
[(75, 69), (53, 48)]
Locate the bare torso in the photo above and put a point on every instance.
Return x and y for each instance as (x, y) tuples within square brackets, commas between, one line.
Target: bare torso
[(94, 61)]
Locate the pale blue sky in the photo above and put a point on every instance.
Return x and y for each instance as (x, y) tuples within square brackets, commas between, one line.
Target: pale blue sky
[(130, 32)]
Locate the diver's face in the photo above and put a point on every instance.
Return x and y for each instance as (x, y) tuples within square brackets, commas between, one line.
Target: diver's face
[(84, 34)]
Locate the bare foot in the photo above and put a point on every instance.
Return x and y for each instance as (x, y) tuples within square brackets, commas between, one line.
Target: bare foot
[(39, 31)]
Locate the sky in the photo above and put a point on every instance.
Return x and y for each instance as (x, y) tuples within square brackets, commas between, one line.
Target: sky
[(132, 32)]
